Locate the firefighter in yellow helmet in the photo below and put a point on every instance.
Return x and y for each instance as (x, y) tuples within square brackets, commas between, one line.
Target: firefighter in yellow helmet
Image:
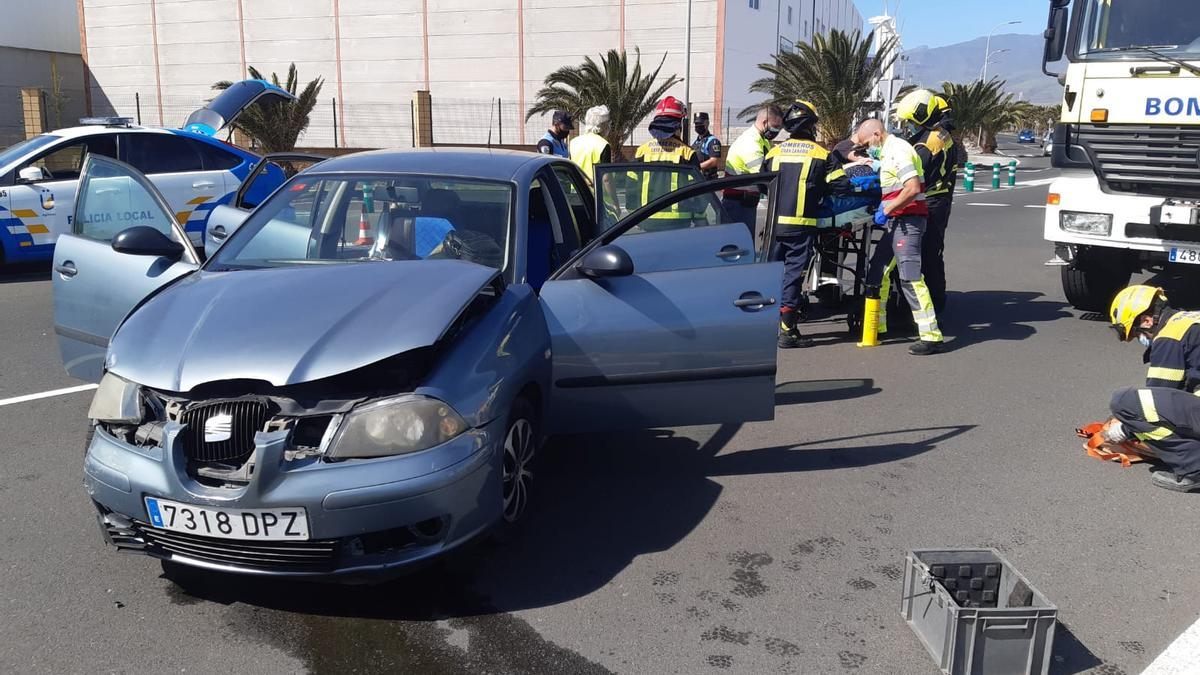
[(1165, 413), (927, 118), (807, 174)]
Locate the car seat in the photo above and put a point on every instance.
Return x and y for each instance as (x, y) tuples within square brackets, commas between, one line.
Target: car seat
[(541, 240)]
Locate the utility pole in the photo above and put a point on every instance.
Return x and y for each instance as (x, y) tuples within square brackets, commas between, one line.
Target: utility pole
[(687, 68), (987, 52)]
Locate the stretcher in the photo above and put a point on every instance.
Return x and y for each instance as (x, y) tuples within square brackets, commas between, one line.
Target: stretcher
[(846, 236)]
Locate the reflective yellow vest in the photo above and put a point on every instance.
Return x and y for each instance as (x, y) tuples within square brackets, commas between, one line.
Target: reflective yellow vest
[(586, 150), (653, 186), (747, 153)]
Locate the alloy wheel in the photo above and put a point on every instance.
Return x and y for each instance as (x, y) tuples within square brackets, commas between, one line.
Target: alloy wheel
[(520, 444)]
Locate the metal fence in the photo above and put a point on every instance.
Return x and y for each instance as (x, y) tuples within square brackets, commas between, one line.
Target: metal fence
[(332, 124)]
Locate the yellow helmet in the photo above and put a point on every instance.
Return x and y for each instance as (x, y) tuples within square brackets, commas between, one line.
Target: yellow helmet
[(921, 107), (1131, 303)]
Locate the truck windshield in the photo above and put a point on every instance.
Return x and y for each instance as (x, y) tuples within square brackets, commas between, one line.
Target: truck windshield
[(1114, 29)]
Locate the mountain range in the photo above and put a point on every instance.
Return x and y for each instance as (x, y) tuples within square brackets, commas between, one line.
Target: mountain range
[(1020, 66)]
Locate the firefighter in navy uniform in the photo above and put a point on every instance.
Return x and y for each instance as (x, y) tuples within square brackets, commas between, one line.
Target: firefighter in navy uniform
[(665, 147), (928, 117), (807, 174), (1165, 413)]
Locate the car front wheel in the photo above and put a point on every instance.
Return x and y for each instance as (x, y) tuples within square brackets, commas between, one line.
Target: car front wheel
[(521, 441)]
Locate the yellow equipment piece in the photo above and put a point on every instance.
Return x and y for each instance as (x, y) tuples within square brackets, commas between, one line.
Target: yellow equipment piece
[(920, 107), (870, 335), (1131, 303)]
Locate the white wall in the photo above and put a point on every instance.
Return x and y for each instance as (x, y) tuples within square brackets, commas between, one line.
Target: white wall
[(48, 25)]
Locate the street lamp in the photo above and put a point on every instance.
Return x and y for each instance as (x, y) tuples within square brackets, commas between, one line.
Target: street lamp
[(988, 50), (992, 59)]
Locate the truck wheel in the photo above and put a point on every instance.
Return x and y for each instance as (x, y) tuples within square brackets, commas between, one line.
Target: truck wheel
[(1091, 285)]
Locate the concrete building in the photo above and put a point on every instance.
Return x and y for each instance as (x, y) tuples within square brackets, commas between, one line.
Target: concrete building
[(482, 60), (39, 53)]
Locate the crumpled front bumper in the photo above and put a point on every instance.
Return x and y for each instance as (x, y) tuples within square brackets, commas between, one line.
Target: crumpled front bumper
[(365, 516)]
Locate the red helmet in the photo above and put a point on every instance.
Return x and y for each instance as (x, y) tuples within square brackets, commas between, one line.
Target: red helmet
[(670, 107)]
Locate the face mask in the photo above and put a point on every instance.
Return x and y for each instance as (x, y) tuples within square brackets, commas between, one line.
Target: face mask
[(876, 165), (911, 130), (701, 130), (1144, 340), (874, 153), (772, 132)]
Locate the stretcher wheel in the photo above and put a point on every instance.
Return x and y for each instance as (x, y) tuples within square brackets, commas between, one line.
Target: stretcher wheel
[(854, 318), (829, 295)]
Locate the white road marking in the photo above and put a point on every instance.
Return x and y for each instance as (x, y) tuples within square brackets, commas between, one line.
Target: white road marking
[(1035, 206), (985, 204), (1180, 657), (46, 394)]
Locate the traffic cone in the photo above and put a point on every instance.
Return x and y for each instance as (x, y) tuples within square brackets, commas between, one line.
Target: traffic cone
[(364, 230)]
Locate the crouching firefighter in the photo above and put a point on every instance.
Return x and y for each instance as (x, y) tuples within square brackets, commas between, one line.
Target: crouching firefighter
[(903, 216), (1165, 414), (807, 174)]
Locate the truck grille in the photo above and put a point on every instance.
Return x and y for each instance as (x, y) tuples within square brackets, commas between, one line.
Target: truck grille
[(1153, 160), (222, 431), (314, 555)]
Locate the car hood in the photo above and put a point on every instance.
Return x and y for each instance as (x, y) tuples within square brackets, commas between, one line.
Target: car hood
[(292, 324)]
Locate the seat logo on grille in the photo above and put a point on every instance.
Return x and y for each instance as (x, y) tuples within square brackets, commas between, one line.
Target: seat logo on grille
[(218, 428)]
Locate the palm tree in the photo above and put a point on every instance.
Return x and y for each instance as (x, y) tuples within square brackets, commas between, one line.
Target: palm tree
[(276, 125), (837, 74), (629, 95), (981, 106)]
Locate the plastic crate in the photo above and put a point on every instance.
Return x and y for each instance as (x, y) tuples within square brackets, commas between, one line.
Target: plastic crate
[(990, 621)]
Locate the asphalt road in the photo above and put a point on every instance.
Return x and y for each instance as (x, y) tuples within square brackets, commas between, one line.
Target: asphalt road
[(768, 547)]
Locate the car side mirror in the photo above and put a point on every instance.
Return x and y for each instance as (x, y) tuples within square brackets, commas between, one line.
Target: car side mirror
[(606, 261), (30, 174), (145, 240)]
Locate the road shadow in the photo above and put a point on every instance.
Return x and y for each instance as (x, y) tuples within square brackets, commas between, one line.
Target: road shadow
[(601, 502), (975, 317), (815, 391), (1070, 656), (21, 272)]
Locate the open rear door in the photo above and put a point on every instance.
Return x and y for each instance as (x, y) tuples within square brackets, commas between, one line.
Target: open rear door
[(230, 103), (683, 331), (272, 171), (95, 285)]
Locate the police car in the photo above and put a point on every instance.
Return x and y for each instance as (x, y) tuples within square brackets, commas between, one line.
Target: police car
[(194, 171)]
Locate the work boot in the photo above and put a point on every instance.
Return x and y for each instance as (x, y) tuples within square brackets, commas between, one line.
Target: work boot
[(1169, 481), (926, 347), (789, 335)]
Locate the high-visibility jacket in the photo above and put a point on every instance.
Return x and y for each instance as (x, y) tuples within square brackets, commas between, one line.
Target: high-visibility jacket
[(1174, 354), (939, 157), (898, 164), (747, 153), (646, 186), (807, 174), (588, 150)]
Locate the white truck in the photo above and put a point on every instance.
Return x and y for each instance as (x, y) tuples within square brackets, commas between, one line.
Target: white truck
[(1128, 142)]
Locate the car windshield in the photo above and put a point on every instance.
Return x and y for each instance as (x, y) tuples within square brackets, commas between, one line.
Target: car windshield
[(16, 151), (1121, 28), (318, 219)]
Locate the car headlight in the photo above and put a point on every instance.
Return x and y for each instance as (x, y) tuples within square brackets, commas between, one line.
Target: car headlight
[(118, 401), (1086, 223), (395, 426)]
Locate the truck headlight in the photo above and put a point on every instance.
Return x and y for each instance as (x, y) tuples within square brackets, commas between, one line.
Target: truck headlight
[(117, 401), (1086, 223), (395, 426)]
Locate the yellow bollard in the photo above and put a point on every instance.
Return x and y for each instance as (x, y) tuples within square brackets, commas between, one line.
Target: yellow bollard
[(870, 335)]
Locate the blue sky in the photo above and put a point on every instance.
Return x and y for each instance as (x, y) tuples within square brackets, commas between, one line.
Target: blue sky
[(942, 22)]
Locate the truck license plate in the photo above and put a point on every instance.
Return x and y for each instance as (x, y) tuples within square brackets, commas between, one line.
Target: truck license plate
[(1190, 256), (260, 524)]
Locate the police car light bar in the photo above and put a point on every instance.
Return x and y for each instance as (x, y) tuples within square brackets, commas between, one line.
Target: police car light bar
[(106, 121)]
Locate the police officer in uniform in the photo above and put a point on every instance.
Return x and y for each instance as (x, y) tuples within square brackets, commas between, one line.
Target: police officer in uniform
[(554, 142), (708, 145), (807, 174), (664, 147), (928, 117)]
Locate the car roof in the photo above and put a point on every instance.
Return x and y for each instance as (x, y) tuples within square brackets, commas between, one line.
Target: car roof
[(486, 163), (95, 129)]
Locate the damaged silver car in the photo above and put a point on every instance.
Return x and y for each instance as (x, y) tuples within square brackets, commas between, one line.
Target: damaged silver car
[(361, 375)]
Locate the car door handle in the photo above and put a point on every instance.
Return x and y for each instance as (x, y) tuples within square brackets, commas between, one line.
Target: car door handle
[(202, 184), (752, 301), (67, 269), (732, 252), (218, 232)]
